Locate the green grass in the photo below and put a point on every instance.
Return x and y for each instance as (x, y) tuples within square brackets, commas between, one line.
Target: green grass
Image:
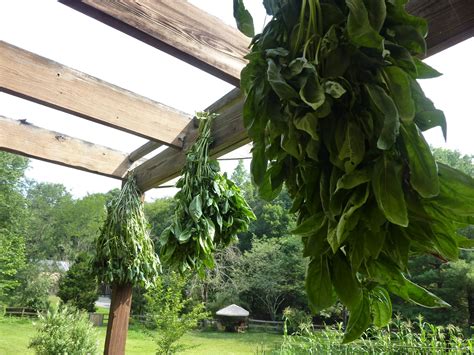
[(15, 335)]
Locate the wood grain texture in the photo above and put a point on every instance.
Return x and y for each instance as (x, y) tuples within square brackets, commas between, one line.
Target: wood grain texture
[(145, 149), (449, 21), (25, 139), (36, 78), (119, 314), (178, 28), (228, 134)]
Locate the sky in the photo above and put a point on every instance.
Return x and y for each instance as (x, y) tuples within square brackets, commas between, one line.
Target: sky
[(57, 32)]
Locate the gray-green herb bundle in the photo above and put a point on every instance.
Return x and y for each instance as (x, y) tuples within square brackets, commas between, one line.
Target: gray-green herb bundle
[(210, 209), (336, 114), (124, 249)]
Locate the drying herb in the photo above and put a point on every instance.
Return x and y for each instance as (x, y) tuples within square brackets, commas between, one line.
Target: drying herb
[(210, 209), (124, 250), (335, 113)]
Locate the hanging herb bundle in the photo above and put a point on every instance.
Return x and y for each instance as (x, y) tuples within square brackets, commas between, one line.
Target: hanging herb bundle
[(336, 114), (210, 209), (124, 250)]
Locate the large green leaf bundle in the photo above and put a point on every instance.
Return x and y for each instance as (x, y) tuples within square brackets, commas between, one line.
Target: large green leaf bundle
[(336, 114), (124, 249), (210, 209)]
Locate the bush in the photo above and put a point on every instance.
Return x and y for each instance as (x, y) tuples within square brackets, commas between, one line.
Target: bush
[(296, 320), (64, 331), (35, 286), (173, 314), (79, 286)]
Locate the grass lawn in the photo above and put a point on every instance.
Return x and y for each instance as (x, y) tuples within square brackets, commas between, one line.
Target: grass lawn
[(15, 335)]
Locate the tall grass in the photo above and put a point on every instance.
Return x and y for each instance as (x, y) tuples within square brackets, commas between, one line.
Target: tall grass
[(399, 337)]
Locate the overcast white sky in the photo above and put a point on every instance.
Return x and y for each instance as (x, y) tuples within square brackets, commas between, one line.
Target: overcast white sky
[(52, 30)]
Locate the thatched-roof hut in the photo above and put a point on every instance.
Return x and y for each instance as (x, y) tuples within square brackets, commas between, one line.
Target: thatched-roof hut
[(232, 318)]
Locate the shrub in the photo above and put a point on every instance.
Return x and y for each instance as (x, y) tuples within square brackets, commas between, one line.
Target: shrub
[(35, 286), (173, 314), (296, 320), (79, 286), (64, 330)]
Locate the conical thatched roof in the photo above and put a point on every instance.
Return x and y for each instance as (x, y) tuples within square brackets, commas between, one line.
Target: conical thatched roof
[(233, 311)]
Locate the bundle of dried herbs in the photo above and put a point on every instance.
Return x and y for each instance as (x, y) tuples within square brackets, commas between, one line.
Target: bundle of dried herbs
[(335, 113), (210, 209), (124, 250)]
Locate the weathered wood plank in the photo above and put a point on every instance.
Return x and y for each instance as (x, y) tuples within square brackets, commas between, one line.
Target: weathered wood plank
[(228, 133), (449, 21), (25, 139), (178, 28), (145, 149), (36, 78)]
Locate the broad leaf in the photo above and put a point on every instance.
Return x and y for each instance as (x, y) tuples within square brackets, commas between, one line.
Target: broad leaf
[(243, 18), (359, 321), (359, 28), (318, 284), (399, 84), (380, 306), (387, 187)]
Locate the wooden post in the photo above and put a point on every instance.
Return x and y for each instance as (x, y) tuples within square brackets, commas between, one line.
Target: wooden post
[(119, 314)]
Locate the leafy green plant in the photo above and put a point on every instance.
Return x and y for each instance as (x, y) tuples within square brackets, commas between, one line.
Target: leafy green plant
[(124, 250), (335, 113), (172, 313), (210, 209), (64, 331), (79, 286)]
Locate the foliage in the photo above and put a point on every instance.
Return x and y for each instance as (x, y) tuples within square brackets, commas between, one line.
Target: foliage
[(270, 276), (36, 283), (172, 313), (159, 214), (64, 331), (210, 209), (296, 320), (79, 286), (399, 337), (12, 222), (335, 113), (124, 250)]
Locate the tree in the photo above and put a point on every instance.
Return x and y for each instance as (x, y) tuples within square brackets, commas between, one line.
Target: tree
[(12, 222), (270, 276), (173, 313), (79, 286)]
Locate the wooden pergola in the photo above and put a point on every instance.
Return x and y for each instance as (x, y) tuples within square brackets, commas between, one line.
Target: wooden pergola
[(187, 33)]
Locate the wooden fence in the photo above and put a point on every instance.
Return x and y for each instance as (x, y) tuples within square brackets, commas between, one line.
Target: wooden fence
[(21, 312)]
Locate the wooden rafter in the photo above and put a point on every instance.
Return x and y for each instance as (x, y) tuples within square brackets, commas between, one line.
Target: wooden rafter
[(25, 139), (145, 149), (204, 41), (228, 134), (450, 22), (36, 78), (178, 28)]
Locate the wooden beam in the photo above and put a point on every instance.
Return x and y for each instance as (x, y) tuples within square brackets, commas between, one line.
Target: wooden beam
[(25, 139), (119, 314), (228, 134), (145, 149), (41, 80), (178, 28), (449, 21)]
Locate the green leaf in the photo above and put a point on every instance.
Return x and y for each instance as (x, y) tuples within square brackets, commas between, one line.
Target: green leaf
[(359, 28), (353, 150), (258, 166), (377, 12), (311, 92), (423, 297), (318, 284), (345, 282), (423, 168), (195, 208), (334, 89), (399, 84), (309, 225), (359, 321), (353, 179), (309, 124), (387, 108), (380, 306), (424, 70), (410, 38), (278, 83), (243, 18), (387, 186)]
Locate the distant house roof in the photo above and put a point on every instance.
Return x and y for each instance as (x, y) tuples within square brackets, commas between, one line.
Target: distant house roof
[(233, 311), (60, 265)]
